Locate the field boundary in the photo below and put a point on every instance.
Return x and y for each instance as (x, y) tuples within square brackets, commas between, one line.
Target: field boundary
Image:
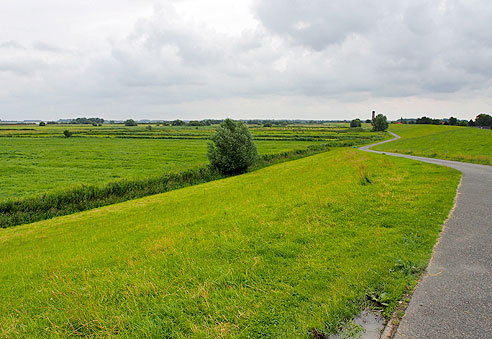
[(52, 204)]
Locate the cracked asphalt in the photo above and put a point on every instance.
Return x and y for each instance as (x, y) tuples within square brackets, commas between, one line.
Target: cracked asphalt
[(454, 297)]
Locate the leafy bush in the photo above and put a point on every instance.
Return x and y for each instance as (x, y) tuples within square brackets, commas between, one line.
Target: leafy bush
[(42, 123), (232, 149), (130, 122), (67, 133), (355, 123), (380, 123)]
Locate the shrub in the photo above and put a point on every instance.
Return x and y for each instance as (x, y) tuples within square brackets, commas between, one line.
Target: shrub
[(42, 123), (67, 133), (232, 149), (380, 123), (130, 122), (355, 123)]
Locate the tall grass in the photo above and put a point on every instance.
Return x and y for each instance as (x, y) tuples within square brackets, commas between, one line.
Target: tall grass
[(80, 198)]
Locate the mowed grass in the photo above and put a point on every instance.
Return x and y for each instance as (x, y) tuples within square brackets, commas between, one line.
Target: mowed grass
[(31, 166), (465, 144), (273, 253)]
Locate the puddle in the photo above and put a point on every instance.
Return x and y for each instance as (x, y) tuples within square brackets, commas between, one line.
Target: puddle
[(368, 325)]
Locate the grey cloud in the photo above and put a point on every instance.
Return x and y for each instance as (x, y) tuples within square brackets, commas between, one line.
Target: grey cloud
[(318, 23), (338, 50)]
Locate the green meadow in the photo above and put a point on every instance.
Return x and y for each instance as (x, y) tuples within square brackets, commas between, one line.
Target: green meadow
[(286, 251), (465, 144), (35, 165), (37, 160)]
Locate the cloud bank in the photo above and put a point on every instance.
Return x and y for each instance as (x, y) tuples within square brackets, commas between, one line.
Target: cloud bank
[(246, 59)]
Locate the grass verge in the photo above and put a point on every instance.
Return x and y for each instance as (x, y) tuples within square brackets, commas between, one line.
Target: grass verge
[(466, 144), (287, 251)]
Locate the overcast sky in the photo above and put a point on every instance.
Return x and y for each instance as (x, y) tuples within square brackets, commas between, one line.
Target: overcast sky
[(293, 59)]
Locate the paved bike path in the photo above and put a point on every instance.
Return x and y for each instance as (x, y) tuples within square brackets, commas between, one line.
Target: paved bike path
[(454, 297)]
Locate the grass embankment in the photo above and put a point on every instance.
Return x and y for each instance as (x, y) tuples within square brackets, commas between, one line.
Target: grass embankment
[(31, 166), (465, 144), (273, 253), (80, 198)]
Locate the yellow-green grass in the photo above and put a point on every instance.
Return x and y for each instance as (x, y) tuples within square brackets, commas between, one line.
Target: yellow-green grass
[(32, 166), (465, 144), (273, 253)]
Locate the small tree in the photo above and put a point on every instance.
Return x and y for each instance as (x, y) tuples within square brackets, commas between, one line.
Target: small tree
[(67, 133), (453, 121), (42, 123), (380, 123), (130, 122), (355, 123), (232, 149)]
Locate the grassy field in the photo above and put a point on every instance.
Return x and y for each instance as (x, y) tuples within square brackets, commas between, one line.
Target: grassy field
[(325, 132), (275, 253), (38, 159), (33, 165), (444, 142)]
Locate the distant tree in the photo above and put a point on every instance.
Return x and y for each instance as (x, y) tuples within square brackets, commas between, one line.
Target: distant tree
[(178, 122), (196, 123), (149, 128), (453, 121), (232, 149), (42, 123), (267, 124), (87, 121), (67, 133), (380, 123), (130, 122), (463, 123), (471, 122), (424, 120), (483, 120), (355, 123), (368, 121)]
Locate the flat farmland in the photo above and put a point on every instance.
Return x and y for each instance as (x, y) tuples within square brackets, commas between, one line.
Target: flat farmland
[(35, 160), (34, 165)]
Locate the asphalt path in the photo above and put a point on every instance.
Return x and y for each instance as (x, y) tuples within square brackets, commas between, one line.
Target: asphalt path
[(454, 297)]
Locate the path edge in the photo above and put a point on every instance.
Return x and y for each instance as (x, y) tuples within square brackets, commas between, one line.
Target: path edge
[(393, 323)]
